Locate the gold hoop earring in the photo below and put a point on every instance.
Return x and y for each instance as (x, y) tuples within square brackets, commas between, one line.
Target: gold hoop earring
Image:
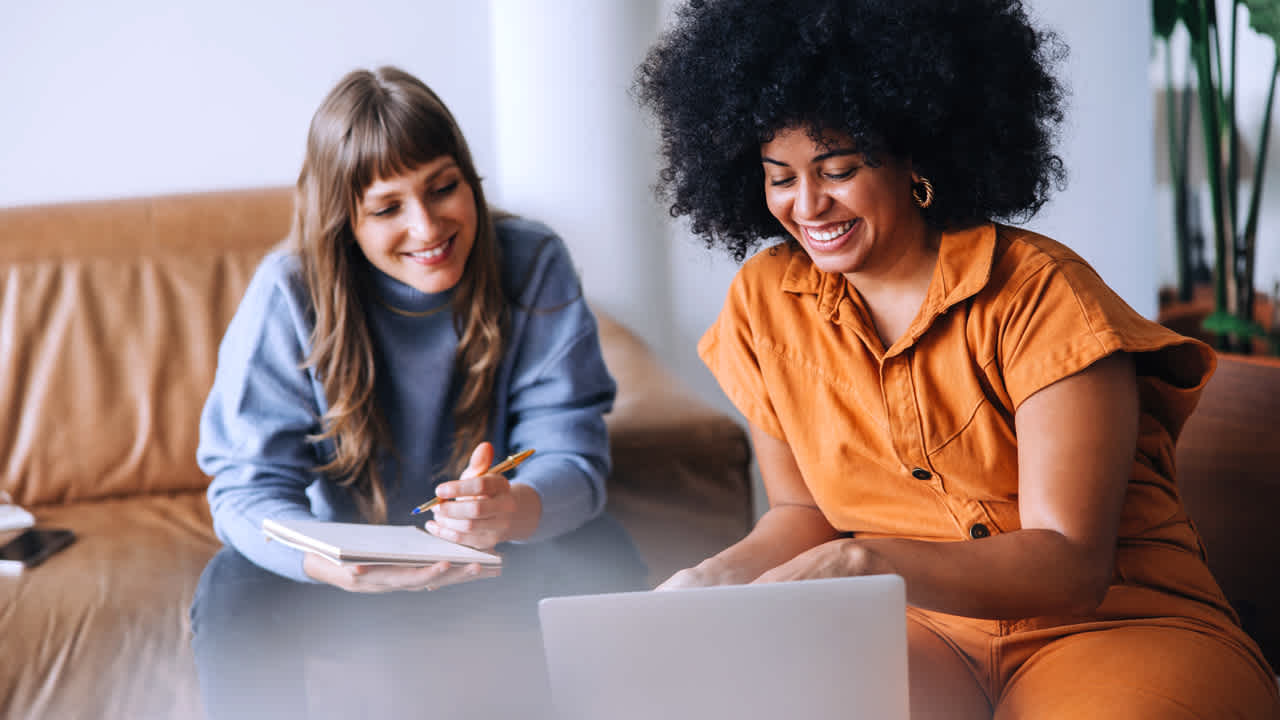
[(923, 197)]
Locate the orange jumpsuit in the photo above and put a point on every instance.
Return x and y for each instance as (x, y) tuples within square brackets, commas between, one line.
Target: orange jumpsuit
[(917, 441)]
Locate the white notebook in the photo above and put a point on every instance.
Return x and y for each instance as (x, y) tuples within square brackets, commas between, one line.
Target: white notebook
[(365, 544), (13, 517)]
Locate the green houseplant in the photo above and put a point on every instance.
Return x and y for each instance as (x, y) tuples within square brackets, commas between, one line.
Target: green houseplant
[(1234, 226)]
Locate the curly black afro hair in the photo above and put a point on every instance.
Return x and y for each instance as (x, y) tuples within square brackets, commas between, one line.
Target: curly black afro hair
[(962, 88)]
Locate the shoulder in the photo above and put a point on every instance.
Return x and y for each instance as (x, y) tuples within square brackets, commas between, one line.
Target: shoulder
[(1021, 253), (276, 295), (773, 263), (523, 240), (1026, 263), (783, 267), (279, 273), (1054, 316), (536, 264), (772, 294)]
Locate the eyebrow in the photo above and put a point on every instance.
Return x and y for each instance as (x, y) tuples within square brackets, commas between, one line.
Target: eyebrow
[(375, 198), (838, 152)]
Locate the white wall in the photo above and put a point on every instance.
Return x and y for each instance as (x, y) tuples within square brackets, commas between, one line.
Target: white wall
[(574, 150), (109, 99), (1106, 214)]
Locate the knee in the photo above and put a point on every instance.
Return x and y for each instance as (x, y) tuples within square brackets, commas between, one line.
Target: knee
[(229, 584)]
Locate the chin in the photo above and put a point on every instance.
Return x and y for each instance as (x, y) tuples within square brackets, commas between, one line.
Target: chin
[(438, 285), (840, 264)]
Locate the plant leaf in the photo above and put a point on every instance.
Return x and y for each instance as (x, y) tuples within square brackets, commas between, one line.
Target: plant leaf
[(1164, 15), (1224, 323), (1189, 13), (1264, 17)]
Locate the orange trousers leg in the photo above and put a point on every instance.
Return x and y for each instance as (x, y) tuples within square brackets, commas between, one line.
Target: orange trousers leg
[(1137, 672), (960, 669)]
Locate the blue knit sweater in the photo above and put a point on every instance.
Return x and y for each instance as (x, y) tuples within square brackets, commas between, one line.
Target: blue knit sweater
[(551, 392)]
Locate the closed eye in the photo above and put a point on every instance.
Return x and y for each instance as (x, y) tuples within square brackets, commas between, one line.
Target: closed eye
[(841, 175), (445, 189), (781, 182), (387, 211)]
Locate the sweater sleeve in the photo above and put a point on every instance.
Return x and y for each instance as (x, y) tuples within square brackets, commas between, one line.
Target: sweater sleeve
[(255, 423), (560, 389)]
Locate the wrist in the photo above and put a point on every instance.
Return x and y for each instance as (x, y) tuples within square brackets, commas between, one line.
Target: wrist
[(528, 514), (862, 559)]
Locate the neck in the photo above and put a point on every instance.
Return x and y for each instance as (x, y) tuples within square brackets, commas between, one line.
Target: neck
[(909, 267), (895, 290)]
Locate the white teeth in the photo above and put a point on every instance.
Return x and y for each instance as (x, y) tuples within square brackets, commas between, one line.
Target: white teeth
[(827, 235), (436, 251)]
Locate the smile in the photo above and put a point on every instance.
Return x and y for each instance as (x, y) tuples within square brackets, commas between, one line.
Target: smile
[(432, 254), (829, 234)]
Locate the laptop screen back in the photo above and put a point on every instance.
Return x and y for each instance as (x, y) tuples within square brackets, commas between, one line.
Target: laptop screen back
[(811, 649)]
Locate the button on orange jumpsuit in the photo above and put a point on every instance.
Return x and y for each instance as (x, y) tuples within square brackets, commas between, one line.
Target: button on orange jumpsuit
[(917, 441)]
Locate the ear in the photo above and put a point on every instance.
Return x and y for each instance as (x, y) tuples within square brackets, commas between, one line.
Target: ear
[(911, 170)]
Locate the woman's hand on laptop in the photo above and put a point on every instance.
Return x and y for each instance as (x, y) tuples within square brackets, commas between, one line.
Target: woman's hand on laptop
[(709, 572), (837, 558)]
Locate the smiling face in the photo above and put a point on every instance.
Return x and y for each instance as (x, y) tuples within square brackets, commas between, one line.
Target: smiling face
[(849, 217), (419, 226)]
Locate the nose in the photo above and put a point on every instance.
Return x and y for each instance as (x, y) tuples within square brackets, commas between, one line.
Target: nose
[(811, 199), (417, 220)]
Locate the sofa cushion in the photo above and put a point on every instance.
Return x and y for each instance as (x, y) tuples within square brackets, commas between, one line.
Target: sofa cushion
[(103, 363), (114, 603), (681, 478)]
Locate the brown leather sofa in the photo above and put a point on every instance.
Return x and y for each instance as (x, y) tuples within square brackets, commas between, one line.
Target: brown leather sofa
[(110, 318), (1228, 464)]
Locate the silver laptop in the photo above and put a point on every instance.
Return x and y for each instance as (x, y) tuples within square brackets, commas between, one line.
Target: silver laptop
[(810, 649)]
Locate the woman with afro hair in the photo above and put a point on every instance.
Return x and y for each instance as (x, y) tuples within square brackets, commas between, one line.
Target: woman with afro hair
[(932, 392)]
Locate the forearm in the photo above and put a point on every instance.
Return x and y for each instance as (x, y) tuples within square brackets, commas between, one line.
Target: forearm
[(556, 497), (243, 531), (782, 533), (1019, 574)]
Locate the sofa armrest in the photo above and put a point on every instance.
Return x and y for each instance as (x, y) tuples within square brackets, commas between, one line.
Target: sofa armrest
[(1227, 457), (681, 482)]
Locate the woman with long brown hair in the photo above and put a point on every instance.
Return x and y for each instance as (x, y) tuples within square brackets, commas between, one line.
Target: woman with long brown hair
[(405, 337)]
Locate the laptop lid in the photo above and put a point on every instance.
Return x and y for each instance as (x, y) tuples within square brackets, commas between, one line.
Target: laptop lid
[(809, 649)]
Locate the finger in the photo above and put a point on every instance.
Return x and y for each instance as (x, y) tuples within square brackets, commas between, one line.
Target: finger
[(477, 507), (771, 576), (387, 578), (466, 573), (481, 459), (480, 538), (474, 486), (456, 525), (675, 582)]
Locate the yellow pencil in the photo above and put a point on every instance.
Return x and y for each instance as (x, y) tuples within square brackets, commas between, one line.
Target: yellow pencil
[(509, 464)]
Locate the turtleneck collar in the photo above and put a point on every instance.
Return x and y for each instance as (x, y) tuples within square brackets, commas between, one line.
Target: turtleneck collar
[(399, 296)]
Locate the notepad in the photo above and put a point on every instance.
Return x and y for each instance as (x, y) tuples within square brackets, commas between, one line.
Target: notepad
[(365, 544), (13, 517)]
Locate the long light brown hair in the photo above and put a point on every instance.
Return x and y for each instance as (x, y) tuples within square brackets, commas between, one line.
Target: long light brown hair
[(375, 125)]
